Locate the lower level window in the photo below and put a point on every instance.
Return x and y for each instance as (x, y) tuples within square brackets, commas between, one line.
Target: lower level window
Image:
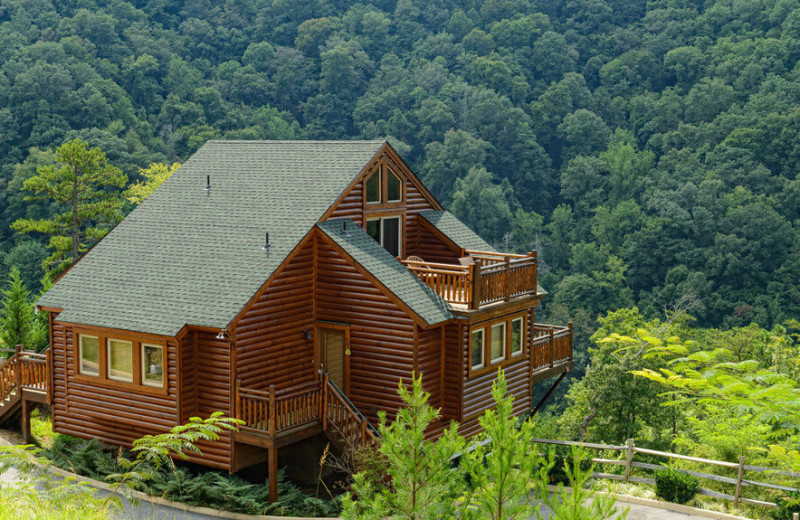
[(516, 336), (89, 353), (152, 365), (120, 360), (498, 342), (386, 231), (477, 349)]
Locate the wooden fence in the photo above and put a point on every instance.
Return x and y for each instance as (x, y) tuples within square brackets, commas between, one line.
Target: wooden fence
[(629, 463)]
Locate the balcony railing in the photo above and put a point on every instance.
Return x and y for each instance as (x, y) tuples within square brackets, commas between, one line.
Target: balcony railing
[(552, 345), (277, 412), (492, 277)]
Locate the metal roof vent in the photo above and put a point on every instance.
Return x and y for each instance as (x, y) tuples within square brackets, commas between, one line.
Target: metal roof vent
[(266, 245), (345, 232), (208, 182)]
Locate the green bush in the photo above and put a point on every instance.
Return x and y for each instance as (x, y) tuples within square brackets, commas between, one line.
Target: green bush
[(787, 505), (202, 487), (675, 486)]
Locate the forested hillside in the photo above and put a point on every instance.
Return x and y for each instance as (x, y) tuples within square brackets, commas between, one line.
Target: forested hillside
[(649, 150)]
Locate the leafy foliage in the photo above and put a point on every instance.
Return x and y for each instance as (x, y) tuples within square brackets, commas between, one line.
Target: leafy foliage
[(154, 176), (83, 183), (675, 486)]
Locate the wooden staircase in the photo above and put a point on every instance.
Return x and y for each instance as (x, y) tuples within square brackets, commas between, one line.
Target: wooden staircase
[(24, 386)]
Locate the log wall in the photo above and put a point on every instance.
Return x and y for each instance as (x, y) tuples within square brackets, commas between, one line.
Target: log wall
[(477, 394), (381, 334), (271, 347), (429, 363)]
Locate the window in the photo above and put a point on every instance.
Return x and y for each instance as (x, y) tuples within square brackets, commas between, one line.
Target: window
[(89, 355), (498, 335), (384, 187), (516, 336), (394, 192), (120, 360), (153, 365), (497, 343), (386, 231), (477, 349), (373, 188)]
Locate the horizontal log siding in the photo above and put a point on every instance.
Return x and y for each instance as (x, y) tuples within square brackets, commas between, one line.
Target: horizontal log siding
[(429, 363), (451, 403), (271, 349), (351, 206), (424, 245), (188, 383), (478, 390), (432, 249), (116, 416), (381, 334), (213, 395)]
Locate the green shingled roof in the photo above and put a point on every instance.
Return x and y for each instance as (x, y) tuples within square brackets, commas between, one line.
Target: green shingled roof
[(456, 230), (187, 256), (390, 273)]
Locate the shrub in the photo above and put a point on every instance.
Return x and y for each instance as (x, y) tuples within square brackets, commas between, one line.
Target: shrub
[(675, 486), (787, 505)]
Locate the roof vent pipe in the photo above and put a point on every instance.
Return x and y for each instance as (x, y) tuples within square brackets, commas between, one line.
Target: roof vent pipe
[(266, 243), (208, 182), (345, 232)]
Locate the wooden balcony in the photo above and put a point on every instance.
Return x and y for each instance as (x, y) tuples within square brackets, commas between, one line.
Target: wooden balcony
[(552, 346), (275, 418), (486, 278)]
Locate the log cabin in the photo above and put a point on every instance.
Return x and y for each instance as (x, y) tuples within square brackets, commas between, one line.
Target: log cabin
[(290, 284)]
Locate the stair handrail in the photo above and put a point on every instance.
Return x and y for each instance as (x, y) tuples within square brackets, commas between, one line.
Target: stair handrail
[(9, 382), (353, 408)]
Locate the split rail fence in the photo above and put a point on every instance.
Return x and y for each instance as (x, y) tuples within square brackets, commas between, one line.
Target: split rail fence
[(628, 464)]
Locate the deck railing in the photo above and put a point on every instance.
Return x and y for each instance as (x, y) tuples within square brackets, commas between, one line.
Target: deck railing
[(491, 278), (273, 412), (25, 369), (552, 344), (342, 416)]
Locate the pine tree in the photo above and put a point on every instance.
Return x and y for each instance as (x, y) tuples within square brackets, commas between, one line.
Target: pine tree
[(16, 320), (423, 484), (501, 471), (83, 182)]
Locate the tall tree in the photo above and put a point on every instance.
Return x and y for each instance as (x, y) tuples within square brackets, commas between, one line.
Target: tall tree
[(154, 176), (16, 320), (83, 181)]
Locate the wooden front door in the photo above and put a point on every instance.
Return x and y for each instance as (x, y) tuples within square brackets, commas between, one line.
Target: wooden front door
[(333, 351)]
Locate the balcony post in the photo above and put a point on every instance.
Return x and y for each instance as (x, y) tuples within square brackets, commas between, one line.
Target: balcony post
[(535, 256), (569, 325), (506, 277), (237, 405), (475, 276), (272, 417)]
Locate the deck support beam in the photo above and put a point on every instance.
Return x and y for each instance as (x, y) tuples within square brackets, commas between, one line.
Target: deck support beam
[(549, 393), (27, 438), (272, 464)]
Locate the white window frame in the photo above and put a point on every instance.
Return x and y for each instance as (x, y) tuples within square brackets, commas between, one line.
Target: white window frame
[(389, 171), (80, 355), (108, 360), (144, 368), (503, 336), (383, 235), (521, 337), (482, 332)]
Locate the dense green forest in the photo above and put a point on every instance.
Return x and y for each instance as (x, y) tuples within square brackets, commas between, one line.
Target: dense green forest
[(648, 150)]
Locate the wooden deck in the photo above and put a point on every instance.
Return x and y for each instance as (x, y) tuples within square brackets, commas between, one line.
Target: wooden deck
[(490, 278), (276, 418), (24, 385)]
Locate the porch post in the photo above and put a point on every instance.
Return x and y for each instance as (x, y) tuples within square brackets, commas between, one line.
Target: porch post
[(272, 463)]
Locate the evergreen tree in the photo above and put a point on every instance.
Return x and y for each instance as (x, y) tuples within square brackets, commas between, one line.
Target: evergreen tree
[(17, 313), (83, 182)]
